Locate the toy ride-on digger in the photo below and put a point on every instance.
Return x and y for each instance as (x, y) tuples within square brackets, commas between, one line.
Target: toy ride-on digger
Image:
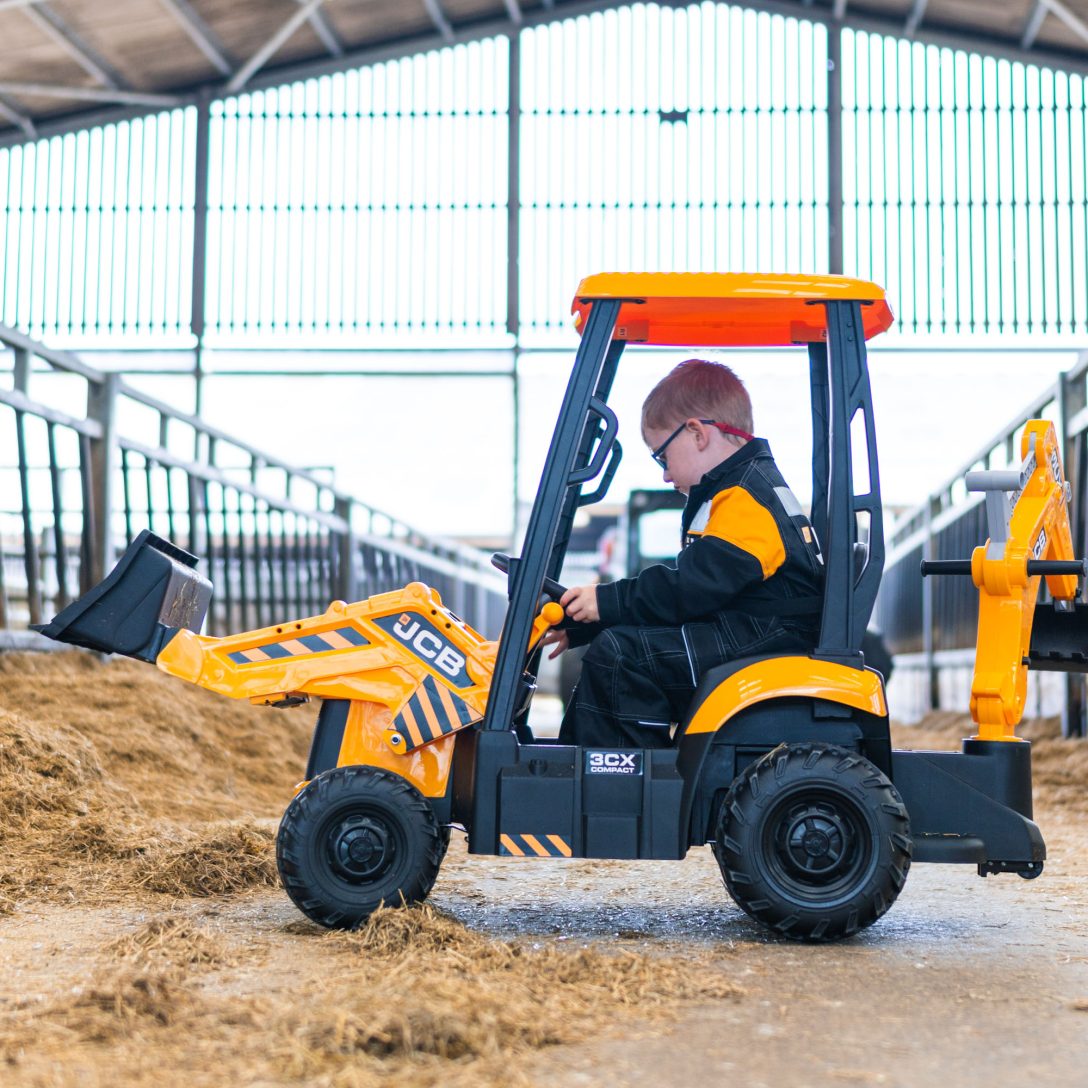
[(783, 763)]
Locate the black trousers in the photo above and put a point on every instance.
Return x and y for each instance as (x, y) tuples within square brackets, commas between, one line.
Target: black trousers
[(637, 681)]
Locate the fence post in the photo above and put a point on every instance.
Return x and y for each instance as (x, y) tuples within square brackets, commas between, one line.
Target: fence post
[(21, 382), (1070, 401), (835, 206), (932, 684), (346, 588), (102, 408)]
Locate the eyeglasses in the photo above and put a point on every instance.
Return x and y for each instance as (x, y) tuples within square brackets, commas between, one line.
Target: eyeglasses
[(659, 454)]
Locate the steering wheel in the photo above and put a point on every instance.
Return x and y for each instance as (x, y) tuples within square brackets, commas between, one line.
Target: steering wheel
[(551, 588)]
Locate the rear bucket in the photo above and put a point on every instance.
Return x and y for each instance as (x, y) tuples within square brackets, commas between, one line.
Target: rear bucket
[(139, 606)]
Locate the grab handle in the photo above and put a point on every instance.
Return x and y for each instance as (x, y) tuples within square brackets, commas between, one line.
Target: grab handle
[(1035, 566), (598, 408)]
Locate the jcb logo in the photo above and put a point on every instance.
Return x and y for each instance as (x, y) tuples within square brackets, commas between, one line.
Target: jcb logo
[(427, 644), (423, 639), (613, 763)]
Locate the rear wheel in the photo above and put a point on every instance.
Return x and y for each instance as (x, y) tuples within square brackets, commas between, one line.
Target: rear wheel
[(356, 838), (813, 841)]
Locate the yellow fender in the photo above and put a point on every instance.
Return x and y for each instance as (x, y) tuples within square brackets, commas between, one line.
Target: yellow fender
[(787, 677)]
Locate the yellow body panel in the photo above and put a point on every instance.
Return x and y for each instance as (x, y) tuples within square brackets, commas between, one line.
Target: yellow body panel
[(783, 677), (365, 743), (375, 653), (1038, 529)]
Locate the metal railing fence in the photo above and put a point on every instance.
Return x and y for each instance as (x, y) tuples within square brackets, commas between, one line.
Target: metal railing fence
[(931, 624), (78, 483)]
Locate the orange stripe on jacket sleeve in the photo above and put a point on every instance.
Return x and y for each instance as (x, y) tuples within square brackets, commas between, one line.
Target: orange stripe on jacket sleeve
[(738, 518)]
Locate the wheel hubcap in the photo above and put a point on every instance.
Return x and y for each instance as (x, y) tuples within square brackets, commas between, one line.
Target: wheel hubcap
[(816, 844), (361, 848)]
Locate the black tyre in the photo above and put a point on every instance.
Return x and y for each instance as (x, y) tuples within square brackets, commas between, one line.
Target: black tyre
[(356, 838), (813, 841)]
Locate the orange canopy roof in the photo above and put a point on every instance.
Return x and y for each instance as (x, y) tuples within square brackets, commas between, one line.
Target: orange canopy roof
[(727, 309)]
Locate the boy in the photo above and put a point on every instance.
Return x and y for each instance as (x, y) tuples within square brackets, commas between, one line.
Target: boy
[(747, 581)]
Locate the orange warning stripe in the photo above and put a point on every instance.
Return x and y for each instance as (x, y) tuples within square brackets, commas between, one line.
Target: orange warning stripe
[(535, 846), (560, 844), (448, 706), (433, 723), (413, 728)]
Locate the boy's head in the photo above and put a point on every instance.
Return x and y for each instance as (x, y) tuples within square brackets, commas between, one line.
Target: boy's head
[(700, 413)]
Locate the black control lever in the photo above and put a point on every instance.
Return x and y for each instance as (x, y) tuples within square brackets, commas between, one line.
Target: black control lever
[(551, 587)]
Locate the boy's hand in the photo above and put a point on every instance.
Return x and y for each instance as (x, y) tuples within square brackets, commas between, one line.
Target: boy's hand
[(558, 639), (581, 604)]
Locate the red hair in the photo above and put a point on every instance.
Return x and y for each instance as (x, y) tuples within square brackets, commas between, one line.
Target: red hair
[(698, 389)]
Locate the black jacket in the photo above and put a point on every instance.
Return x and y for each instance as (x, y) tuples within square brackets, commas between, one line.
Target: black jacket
[(747, 547)]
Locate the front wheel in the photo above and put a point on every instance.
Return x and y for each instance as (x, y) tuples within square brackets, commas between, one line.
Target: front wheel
[(356, 838), (813, 841)]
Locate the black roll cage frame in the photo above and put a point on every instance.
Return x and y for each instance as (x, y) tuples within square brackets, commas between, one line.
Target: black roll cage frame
[(584, 447)]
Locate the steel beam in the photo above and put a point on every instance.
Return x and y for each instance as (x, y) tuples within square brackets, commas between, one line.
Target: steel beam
[(438, 17), (1032, 26), (834, 150), (200, 247), (513, 252), (268, 50), (514, 11), (53, 26), (202, 35), (323, 29), (914, 19), (92, 94), (930, 32), (1071, 20), (9, 108)]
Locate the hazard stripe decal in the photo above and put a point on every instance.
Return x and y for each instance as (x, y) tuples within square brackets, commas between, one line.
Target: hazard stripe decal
[(431, 713), (342, 638), (534, 846)]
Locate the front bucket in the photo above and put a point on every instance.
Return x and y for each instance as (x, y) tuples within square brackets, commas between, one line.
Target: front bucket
[(139, 606)]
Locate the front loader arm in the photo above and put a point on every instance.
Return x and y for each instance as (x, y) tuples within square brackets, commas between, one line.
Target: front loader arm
[(379, 650)]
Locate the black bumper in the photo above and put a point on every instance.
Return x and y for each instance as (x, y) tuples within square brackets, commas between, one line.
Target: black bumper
[(972, 807)]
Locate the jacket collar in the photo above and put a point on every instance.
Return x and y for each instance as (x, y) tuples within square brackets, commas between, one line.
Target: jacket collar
[(733, 466)]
